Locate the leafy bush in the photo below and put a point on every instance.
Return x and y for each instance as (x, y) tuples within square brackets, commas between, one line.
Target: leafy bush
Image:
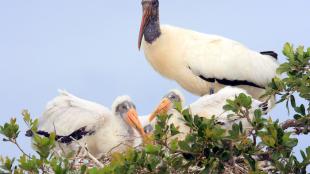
[(267, 148)]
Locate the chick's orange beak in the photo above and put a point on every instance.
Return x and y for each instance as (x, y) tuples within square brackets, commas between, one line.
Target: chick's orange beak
[(133, 120), (145, 19), (162, 108)]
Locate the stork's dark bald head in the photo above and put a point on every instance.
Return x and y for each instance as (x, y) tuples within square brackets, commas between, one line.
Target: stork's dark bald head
[(154, 3), (150, 21)]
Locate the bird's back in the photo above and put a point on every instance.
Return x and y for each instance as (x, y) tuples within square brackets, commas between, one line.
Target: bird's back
[(67, 113), (190, 57)]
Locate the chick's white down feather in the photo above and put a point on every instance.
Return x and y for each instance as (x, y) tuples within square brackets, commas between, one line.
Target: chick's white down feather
[(67, 113), (182, 55), (210, 105)]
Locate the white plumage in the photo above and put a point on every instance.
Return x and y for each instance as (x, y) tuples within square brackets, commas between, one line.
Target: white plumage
[(144, 119), (67, 113), (207, 106), (199, 62), (210, 105)]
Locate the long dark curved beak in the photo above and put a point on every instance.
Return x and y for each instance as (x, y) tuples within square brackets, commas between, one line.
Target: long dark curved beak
[(145, 20)]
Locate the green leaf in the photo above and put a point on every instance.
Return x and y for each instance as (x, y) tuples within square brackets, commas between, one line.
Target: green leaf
[(10, 130), (26, 116), (6, 164), (173, 130), (268, 140), (289, 142), (83, 169), (251, 161), (184, 145), (228, 107), (245, 100), (174, 144), (288, 51), (293, 102), (303, 154), (257, 113), (278, 83), (300, 53), (308, 52), (178, 106), (187, 116), (151, 149), (308, 151), (285, 67), (297, 116), (30, 165), (240, 127), (300, 109)]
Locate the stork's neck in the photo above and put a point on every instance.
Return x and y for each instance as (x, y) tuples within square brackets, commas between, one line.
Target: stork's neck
[(152, 29)]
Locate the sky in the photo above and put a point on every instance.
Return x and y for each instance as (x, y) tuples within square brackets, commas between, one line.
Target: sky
[(90, 48)]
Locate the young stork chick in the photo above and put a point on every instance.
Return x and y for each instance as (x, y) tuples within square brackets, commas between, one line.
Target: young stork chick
[(202, 63), (167, 106), (206, 106), (104, 129), (210, 105)]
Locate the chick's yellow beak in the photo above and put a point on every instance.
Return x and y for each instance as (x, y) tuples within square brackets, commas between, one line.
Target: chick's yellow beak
[(162, 108), (133, 120)]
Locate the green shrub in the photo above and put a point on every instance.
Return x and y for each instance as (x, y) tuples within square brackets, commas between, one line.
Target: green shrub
[(207, 149)]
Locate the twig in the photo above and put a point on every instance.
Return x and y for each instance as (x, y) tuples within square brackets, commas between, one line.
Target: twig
[(299, 125), (15, 142), (120, 144), (99, 164), (77, 154), (291, 123), (59, 144)]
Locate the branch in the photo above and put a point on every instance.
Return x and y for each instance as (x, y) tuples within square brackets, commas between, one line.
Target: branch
[(15, 142), (300, 126), (89, 155)]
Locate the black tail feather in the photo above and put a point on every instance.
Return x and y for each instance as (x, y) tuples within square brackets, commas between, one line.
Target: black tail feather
[(270, 53), (75, 135), (29, 133)]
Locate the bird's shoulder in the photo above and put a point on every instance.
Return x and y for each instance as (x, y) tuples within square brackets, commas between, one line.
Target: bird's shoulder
[(198, 37), (218, 99), (65, 100)]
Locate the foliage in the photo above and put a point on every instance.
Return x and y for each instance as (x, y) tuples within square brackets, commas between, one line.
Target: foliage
[(208, 148)]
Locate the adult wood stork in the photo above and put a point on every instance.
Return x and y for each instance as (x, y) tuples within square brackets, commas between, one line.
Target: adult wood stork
[(201, 63), (104, 129), (207, 106)]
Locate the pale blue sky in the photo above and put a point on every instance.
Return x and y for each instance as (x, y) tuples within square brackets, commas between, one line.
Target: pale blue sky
[(90, 48)]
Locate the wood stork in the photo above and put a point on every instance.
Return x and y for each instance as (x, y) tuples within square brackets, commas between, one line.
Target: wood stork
[(166, 106), (206, 106), (106, 130), (201, 63)]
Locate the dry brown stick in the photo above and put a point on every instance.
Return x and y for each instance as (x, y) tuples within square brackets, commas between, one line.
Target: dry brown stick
[(299, 125), (99, 164)]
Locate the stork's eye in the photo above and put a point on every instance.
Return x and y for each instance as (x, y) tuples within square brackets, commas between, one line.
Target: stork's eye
[(155, 3)]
